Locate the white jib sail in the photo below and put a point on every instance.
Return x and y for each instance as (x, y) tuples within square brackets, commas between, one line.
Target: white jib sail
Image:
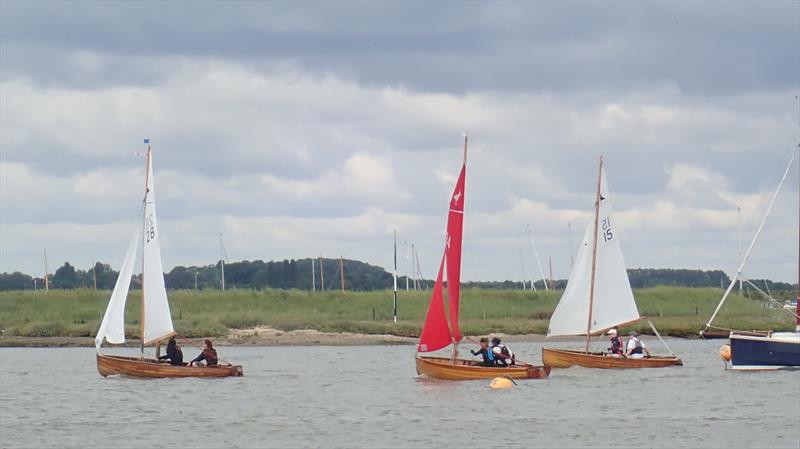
[(157, 318), (112, 328), (613, 302)]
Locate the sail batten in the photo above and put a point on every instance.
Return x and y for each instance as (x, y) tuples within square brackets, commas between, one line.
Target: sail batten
[(613, 303), (157, 320)]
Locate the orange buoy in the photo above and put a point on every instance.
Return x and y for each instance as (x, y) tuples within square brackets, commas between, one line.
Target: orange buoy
[(725, 353), (501, 382)]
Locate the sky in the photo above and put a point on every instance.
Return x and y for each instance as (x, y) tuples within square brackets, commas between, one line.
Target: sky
[(304, 129)]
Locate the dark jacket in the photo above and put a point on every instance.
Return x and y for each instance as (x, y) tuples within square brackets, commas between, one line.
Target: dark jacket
[(174, 354)]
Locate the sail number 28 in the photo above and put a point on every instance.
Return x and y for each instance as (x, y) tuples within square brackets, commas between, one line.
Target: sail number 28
[(149, 229), (605, 226)]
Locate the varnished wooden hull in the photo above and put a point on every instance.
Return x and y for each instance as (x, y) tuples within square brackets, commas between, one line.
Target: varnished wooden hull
[(110, 365), (444, 368), (561, 358)]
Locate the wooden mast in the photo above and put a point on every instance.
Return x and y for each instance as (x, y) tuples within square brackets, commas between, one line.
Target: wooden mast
[(144, 224), (594, 254)]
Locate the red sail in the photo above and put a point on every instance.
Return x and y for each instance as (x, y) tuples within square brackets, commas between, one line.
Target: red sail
[(435, 334), (455, 223)]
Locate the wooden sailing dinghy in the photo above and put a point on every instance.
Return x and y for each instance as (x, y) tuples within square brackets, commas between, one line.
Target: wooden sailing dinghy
[(156, 320), (598, 296), (437, 333)]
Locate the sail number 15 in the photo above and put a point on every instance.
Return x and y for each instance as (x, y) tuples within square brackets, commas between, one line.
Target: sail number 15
[(605, 227)]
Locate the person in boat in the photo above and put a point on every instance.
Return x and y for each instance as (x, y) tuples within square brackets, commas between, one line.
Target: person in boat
[(616, 343), (635, 348), (174, 353), (502, 354), (485, 352), (209, 355)]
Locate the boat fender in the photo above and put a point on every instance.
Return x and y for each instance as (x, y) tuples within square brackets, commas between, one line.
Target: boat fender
[(725, 353), (501, 382)]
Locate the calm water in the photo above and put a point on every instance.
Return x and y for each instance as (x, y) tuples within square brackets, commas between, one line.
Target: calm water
[(370, 397)]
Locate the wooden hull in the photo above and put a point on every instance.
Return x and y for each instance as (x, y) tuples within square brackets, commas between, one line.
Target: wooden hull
[(110, 365), (444, 368), (560, 358)]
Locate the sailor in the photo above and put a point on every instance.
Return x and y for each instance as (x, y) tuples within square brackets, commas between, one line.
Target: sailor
[(502, 354), (616, 343), (488, 354), (174, 353), (209, 354), (635, 348)]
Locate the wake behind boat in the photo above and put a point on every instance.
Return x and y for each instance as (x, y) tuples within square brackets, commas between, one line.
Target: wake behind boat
[(437, 333), (598, 296), (156, 320)]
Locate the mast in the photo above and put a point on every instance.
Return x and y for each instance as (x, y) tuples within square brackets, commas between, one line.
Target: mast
[(341, 271), (594, 254), (144, 227), (739, 254), (222, 257), (313, 276), (46, 281), (94, 274), (394, 303), (321, 275), (414, 266)]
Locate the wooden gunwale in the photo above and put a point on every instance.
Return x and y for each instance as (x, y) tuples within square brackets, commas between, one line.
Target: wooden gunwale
[(109, 365), (447, 369), (563, 358)]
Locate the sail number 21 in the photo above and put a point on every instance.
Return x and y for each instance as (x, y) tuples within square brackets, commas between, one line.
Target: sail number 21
[(606, 228)]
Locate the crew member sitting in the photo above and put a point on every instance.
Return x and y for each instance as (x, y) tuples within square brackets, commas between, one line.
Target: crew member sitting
[(174, 353), (616, 343), (209, 354), (488, 354), (502, 354), (635, 347)]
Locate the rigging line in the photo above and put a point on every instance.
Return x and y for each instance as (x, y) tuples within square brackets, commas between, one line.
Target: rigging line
[(772, 300), (659, 337)]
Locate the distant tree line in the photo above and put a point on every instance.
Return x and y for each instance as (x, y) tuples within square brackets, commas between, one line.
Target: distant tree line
[(296, 274)]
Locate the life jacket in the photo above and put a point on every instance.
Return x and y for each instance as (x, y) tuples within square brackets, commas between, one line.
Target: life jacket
[(638, 348), (211, 356), (490, 354), (616, 345)]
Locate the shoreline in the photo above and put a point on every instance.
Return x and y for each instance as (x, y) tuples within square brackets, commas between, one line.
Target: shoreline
[(269, 337)]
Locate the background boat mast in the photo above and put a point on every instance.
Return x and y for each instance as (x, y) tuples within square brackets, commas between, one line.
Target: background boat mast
[(144, 229), (594, 254)]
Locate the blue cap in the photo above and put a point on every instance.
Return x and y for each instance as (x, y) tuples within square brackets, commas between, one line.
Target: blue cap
[(146, 140)]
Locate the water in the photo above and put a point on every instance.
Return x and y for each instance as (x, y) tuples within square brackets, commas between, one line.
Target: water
[(370, 397)]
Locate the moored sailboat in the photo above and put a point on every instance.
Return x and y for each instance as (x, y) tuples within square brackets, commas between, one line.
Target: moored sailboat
[(598, 296), (438, 333), (156, 320), (762, 351)]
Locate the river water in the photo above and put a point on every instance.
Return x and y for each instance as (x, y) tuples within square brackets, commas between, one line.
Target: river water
[(370, 396)]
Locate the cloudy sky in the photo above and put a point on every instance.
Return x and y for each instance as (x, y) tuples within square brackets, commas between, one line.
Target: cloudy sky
[(299, 129)]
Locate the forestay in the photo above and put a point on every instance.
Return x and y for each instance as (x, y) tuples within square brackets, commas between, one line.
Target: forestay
[(157, 318), (613, 302), (112, 328)]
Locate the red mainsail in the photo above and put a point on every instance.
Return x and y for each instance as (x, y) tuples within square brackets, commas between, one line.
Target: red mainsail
[(455, 224), (435, 333)]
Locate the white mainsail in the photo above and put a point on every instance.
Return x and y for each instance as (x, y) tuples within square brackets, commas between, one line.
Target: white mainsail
[(112, 329), (157, 318), (613, 302)]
